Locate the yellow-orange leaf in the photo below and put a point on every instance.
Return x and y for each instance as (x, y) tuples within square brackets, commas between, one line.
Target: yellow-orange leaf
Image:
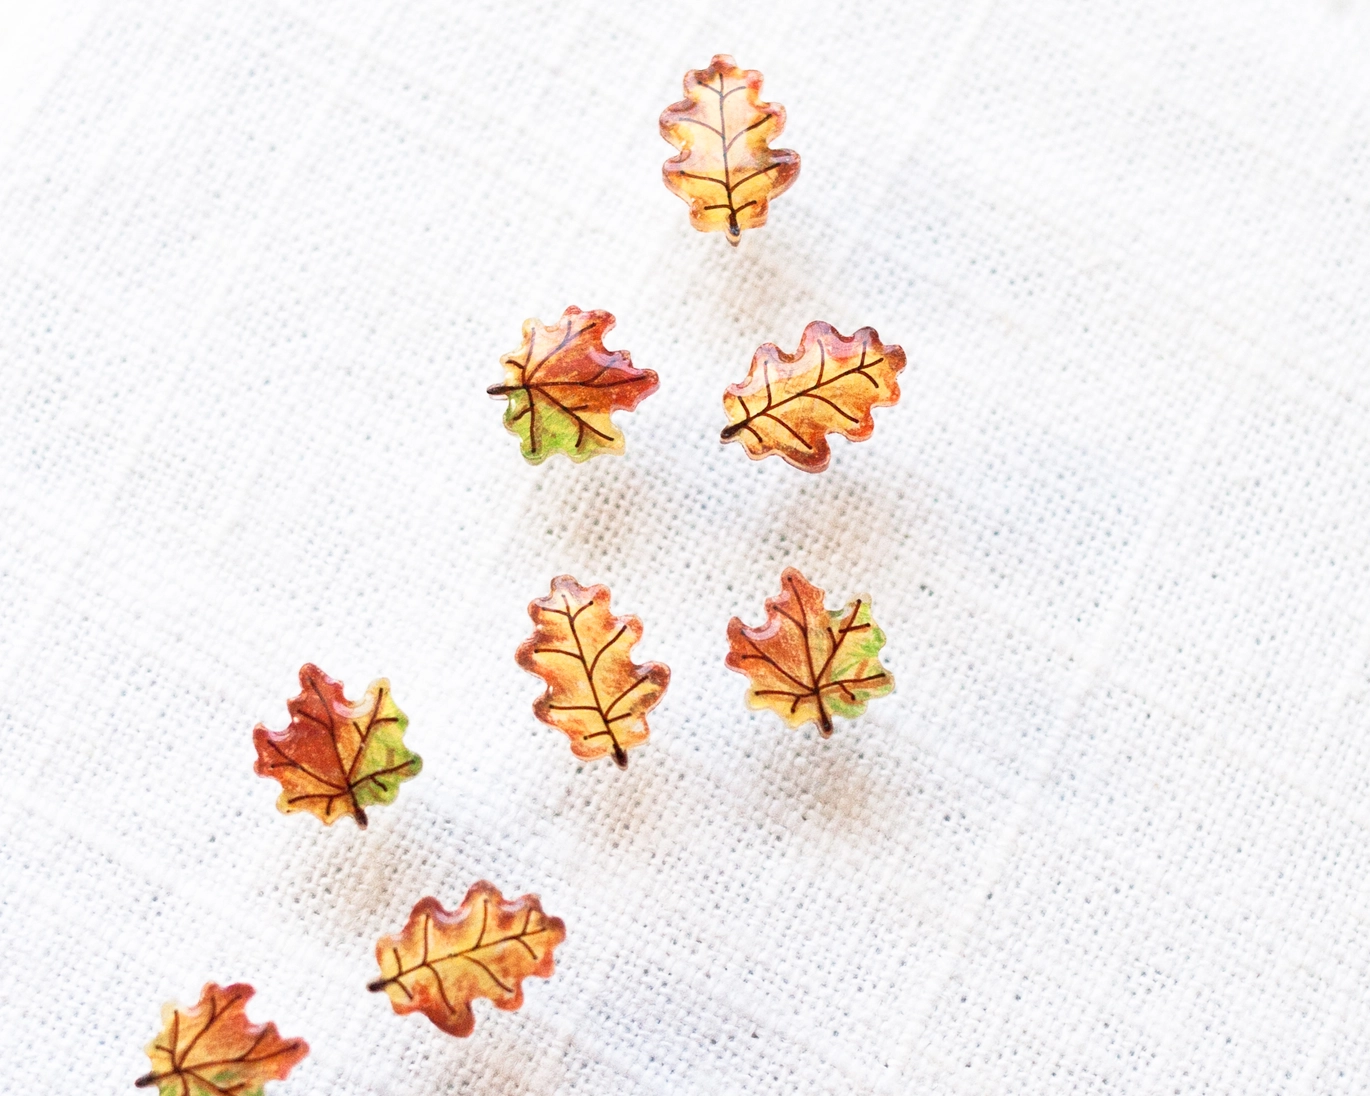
[(595, 693), (440, 962), (726, 170), (213, 1048), (789, 403), (806, 663)]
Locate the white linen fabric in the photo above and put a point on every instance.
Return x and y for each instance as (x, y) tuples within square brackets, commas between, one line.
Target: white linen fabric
[(258, 262)]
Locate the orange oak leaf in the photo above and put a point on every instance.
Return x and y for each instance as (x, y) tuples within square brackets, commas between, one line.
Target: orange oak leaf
[(337, 758), (789, 403), (726, 169), (809, 664), (562, 386), (214, 1050), (440, 962), (595, 693)]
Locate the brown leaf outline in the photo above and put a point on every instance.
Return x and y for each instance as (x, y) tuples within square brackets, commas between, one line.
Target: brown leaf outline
[(563, 385), (806, 663), (337, 758), (789, 403), (595, 694), (213, 1049), (440, 961), (728, 187)]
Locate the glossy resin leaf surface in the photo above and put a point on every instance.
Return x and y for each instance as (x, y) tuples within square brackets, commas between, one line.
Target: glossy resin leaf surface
[(440, 962), (562, 386), (726, 170), (807, 664), (595, 693), (213, 1048), (337, 758), (789, 403)]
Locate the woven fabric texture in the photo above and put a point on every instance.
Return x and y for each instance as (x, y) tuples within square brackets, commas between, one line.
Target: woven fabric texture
[(258, 262)]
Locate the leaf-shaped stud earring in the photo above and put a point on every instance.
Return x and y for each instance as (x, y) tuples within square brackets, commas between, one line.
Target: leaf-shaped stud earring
[(337, 758), (726, 171), (213, 1048), (807, 664), (562, 385), (789, 403), (596, 695), (440, 962)]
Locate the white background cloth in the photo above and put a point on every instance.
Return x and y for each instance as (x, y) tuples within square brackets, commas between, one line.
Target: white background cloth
[(258, 262)]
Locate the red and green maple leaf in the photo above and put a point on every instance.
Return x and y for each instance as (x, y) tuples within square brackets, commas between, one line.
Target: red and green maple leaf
[(806, 663), (337, 758), (212, 1049), (563, 385)]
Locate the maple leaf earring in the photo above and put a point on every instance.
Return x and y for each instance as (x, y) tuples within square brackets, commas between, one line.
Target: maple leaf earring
[(213, 1047), (807, 664), (562, 386), (726, 171), (789, 403), (337, 758)]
